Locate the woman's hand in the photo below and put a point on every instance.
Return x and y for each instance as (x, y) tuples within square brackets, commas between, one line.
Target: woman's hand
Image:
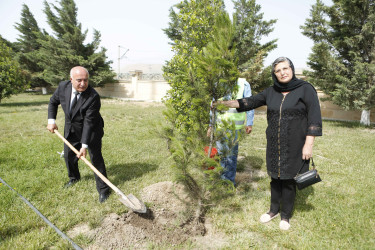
[(308, 147), (307, 151), (230, 104)]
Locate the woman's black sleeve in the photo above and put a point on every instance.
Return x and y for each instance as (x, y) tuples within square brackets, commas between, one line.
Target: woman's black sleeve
[(252, 102), (314, 116)]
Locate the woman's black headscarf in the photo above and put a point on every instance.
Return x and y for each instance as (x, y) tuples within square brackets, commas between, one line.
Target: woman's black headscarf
[(285, 87)]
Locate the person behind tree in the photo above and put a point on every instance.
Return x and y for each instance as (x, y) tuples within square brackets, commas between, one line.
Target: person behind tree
[(228, 152), (294, 119)]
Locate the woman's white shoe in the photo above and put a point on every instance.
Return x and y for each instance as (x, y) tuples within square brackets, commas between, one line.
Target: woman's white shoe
[(267, 218), (284, 225)]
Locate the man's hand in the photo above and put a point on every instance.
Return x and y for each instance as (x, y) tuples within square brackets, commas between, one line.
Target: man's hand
[(209, 131), (82, 152), (52, 127), (249, 129)]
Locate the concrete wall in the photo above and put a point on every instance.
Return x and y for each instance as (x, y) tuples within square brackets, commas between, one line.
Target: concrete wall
[(155, 90), (334, 112), (331, 111), (135, 89)]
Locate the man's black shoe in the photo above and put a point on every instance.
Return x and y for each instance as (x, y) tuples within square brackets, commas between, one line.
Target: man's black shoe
[(103, 197), (70, 183)]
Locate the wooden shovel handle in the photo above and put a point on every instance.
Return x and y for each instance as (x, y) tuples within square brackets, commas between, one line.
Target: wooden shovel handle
[(89, 164)]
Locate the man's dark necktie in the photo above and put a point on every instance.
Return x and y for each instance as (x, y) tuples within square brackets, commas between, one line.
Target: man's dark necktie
[(73, 104)]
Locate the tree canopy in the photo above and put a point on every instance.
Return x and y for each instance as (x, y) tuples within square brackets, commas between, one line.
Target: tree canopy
[(12, 78), (27, 47), (251, 29), (49, 57), (190, 30)]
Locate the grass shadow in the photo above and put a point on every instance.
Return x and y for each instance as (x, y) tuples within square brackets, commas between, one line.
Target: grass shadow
[(249, 173), (117, 174), (348, 124), (24, 104), (10, 232), (301, 203), (253, 162)]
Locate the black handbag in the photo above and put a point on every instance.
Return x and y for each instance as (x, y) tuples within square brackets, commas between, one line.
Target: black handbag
[(308, 178)]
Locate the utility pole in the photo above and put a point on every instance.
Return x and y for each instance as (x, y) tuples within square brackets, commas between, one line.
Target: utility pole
[(119, 58)]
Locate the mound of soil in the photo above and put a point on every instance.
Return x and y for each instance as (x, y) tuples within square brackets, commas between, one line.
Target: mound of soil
[(166, 222)]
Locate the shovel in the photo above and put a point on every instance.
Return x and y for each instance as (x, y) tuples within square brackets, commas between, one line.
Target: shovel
[(130, 201)]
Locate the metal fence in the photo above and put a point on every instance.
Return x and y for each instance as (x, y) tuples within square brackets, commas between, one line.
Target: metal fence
[(147, 76)]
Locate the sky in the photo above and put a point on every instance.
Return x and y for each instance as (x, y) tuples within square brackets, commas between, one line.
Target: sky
[(136, 26)]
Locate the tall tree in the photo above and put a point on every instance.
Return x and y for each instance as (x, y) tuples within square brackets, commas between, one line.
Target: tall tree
[(6, 42), (210, 73), (27, 47), (251, 29), (12, 78), (343, 55), (205, 67), (59, 53)]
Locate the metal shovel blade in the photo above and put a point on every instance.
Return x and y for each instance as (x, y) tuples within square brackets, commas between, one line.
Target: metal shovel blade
[(130, 201), (133, 203)]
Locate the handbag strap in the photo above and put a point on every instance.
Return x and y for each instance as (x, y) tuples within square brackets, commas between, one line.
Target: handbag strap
[(303, 163)]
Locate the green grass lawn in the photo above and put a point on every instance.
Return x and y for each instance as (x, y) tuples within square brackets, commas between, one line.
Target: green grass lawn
[(337, 213)]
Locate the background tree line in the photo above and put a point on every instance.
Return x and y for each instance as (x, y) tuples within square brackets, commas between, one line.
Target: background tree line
[(341, 63), (46, 59)]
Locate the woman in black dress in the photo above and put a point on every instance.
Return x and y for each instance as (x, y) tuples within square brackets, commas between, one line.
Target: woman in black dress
[(294, 119)]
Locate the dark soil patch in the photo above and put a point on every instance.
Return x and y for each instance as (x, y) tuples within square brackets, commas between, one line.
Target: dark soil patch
[(165, 224)]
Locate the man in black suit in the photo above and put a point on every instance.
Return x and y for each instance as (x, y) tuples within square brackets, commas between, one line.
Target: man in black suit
[(83, 125)]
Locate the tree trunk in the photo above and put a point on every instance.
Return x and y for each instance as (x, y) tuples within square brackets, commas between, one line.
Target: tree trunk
[(44, 90), (213, 123), (365, 117)]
